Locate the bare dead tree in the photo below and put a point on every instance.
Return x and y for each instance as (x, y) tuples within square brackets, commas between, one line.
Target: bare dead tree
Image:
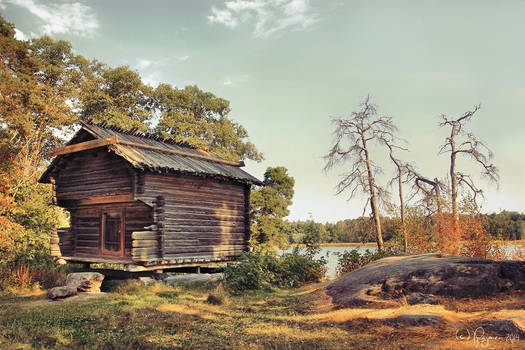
[(430, 190), (461, 142), (403, 174), (352, 139)]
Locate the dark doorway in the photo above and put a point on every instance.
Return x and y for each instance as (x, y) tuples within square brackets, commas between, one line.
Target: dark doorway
[(112, 240)]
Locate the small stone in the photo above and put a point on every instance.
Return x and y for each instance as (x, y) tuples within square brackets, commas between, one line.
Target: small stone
[(85, 281), (61, 292), (420, 298), (212, 299)]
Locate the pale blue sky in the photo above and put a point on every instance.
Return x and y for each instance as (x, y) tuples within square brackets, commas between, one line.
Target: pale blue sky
[(289, 66)]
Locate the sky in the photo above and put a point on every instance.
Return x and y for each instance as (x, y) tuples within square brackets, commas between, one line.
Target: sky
[(289, 67)]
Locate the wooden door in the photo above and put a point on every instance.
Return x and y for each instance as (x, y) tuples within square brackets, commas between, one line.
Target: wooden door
[(112, 233)]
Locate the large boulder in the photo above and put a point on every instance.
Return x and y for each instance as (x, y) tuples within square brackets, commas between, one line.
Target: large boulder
[(85, 281), (427, 275), (61, 292)]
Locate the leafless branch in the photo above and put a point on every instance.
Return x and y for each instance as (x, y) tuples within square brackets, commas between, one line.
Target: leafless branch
[(460, 142), (351, 139)]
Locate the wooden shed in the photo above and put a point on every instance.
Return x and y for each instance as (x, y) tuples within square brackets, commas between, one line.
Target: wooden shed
[(138, 200)]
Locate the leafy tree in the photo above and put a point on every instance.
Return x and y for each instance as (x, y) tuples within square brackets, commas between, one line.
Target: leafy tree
[(508, 225), (35, 85), (115, 96), (201, 119), (313, 235), (269, 205), (353, 137)]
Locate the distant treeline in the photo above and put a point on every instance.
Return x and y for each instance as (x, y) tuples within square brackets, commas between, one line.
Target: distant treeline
[(506, 225)]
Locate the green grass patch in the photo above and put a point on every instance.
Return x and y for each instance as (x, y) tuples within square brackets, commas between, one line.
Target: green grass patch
[(161, 317)]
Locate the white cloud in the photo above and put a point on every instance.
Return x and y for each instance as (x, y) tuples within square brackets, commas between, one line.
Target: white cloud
[(153, 79), (237, 80), (20, 35), (150, 70), (268, 16), (183, 58), (143, 63), (63, 18)]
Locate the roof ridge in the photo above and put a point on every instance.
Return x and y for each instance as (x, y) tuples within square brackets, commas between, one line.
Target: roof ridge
[(142, 134), (202, 153)]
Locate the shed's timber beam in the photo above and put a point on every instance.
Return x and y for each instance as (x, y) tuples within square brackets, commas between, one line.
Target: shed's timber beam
[(113, 140), (181, 153), (82, 146)]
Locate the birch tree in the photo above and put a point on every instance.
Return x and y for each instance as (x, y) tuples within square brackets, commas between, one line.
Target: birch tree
[(353, 137)]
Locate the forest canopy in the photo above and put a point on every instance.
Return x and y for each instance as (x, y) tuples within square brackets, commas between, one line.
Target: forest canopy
[(505, 225)]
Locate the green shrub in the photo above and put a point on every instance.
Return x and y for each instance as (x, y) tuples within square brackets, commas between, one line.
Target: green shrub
[(351, 260), (260, 270), (254, 270), (298, 269)]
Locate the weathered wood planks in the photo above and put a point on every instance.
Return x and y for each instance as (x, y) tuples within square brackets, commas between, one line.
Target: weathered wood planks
[(168, 218), (94, 175), (199, 216), (82, 146)]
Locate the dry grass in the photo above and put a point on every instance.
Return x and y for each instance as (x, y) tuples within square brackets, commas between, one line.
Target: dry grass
[(162, 317)]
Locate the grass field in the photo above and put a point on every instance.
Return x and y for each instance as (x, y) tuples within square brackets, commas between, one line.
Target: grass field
[(182, 317)]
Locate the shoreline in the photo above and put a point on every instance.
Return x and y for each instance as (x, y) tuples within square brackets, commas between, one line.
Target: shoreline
[(348, 244), (373, 244)]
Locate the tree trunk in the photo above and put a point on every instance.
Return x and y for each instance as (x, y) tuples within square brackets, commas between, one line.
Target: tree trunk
[(453, 177), (402, 210), (454, 186), (373, 200), (438, 196)]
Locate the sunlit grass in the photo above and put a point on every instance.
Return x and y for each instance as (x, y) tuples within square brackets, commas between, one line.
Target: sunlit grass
[(166, 317)]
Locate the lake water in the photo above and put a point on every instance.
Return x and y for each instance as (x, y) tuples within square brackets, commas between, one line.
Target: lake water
[(330, 253)]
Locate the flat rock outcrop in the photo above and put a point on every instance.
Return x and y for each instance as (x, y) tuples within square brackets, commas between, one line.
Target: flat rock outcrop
[(419, 278), (511, 328)]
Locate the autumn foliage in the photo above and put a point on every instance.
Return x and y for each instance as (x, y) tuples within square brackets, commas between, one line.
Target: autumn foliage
[(466, 236)]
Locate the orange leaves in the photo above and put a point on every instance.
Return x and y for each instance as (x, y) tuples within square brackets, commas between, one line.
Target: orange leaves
[(466, 236)]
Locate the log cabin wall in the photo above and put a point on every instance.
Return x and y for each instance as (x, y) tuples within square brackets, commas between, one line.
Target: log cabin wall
[(86, 224), (90, 174), (202, 218), (90, 183)]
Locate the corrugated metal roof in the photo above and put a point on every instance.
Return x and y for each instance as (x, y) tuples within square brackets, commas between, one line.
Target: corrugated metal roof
[(158, 160)]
